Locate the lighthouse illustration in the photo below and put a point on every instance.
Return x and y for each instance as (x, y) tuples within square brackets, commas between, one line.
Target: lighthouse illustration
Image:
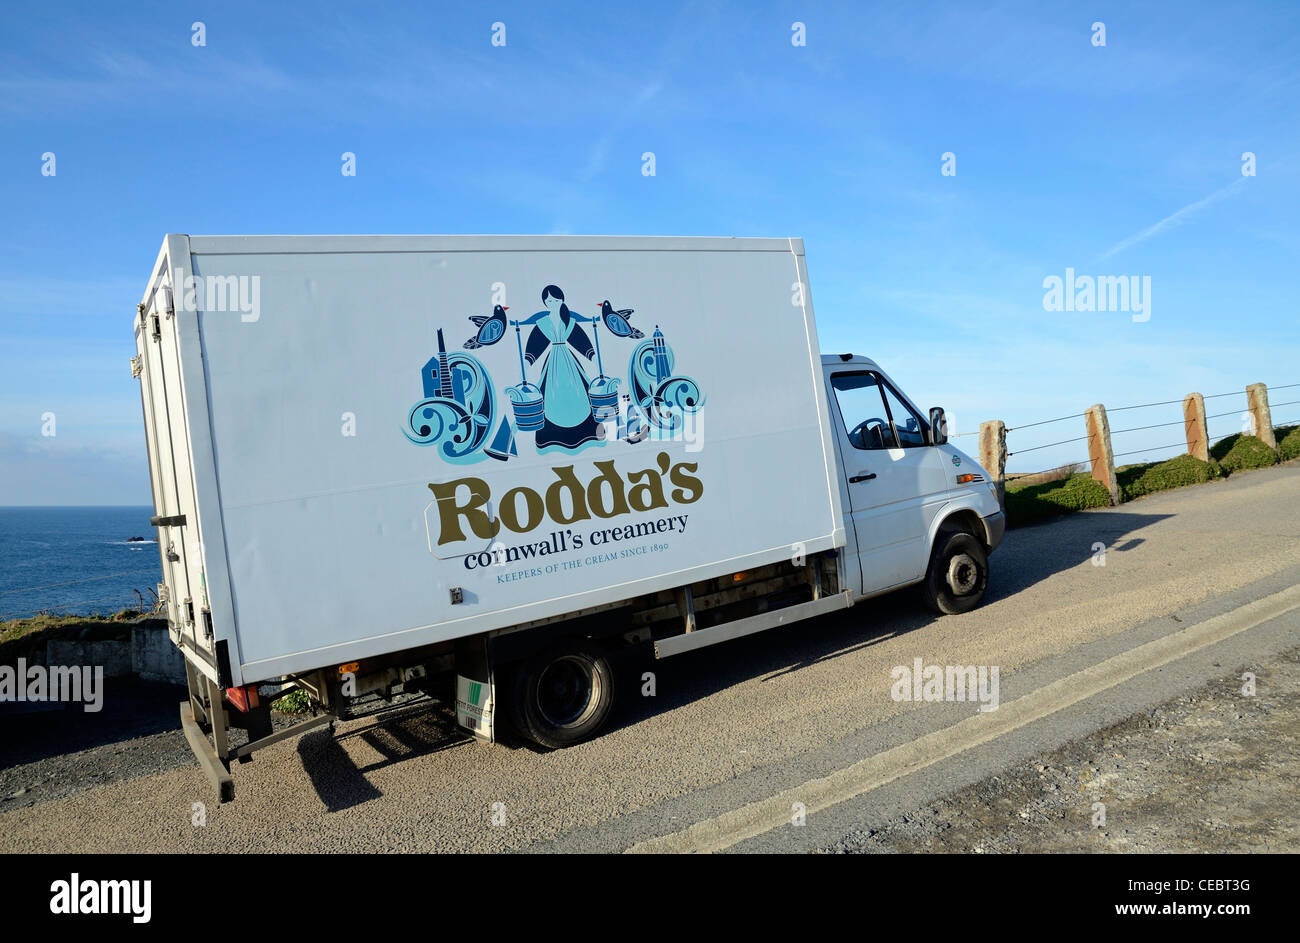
[(661, 398), (438, 377), (662, 370), (459, 410)]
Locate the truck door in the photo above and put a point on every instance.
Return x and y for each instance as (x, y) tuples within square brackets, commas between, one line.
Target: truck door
[(895, 482), (157, 365)]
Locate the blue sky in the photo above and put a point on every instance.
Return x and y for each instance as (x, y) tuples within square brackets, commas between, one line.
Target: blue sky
[(1117, 160)]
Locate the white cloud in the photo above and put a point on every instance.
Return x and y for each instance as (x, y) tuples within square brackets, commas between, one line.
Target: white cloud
[(50, 471), (1173, 219)]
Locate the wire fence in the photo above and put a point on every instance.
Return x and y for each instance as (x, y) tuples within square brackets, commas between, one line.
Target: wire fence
[(142, 599), (145, 600), (1242, 413), (89, 579)]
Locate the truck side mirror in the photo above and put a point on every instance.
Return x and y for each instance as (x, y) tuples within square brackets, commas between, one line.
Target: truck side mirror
[(938, 426)]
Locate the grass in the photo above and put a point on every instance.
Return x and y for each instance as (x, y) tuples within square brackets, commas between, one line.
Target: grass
[(20, 638), (1028, 503), (1177, 472), (1241, 452)]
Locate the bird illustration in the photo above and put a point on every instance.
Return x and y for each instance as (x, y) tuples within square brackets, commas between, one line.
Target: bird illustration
[(617, 321), (490, 330)]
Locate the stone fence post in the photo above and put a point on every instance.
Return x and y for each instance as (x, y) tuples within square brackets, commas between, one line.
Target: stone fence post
[(1198, 434), (1101, 456), (1260, 415), (993, 455)]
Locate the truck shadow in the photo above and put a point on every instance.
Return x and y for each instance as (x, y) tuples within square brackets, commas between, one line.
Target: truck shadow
[(1027, 556), (422, 729)]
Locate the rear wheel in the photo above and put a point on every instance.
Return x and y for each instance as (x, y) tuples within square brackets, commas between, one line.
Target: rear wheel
[(562, 696), (958, 574)]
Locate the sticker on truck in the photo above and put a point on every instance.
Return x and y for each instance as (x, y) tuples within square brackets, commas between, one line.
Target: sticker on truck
[(474, 707)]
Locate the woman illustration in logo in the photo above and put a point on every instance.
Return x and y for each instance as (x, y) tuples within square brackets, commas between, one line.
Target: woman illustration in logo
[(566, 408)]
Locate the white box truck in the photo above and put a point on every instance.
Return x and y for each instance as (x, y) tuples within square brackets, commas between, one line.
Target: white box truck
[(485, 466)]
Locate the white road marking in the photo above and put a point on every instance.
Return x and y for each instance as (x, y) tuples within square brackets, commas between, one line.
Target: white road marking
[(756, 818)]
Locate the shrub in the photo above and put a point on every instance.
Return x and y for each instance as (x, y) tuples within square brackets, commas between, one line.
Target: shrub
[(1038, 502), (1238, 452), (1221, 448), (295, 702), (1288, 442), (1181, 470)]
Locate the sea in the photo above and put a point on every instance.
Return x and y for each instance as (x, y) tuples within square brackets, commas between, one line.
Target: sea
[(76, 560)]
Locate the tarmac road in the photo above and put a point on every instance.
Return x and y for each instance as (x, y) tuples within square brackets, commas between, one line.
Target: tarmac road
[(1195, 583)]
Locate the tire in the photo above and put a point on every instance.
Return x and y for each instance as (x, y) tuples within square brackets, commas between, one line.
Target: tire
[(958, 573), (562, 696)]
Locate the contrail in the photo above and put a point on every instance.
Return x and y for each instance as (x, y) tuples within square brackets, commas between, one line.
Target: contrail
[(1172, 220)]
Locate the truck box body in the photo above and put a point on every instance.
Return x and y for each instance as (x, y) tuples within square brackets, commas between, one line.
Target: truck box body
[(359, 464)]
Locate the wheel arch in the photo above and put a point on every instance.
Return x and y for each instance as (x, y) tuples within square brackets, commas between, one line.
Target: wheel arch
[(959, 517), (601, 629)]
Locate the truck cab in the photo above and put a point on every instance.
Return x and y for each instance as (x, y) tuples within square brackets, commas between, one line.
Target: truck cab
[(917, 508)]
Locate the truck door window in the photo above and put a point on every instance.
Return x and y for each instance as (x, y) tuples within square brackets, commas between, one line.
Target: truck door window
[(866, 419), (908, 425)]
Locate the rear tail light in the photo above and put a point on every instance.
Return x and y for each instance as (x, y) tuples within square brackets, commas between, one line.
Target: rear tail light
[(244, 698)]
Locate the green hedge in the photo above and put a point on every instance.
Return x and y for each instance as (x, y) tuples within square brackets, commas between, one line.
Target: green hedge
[(1288, 442), (1181, 470), (1030, 503), (1239, 452), (1038, 502)]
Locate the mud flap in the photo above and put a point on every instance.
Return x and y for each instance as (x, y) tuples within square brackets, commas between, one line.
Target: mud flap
[(475, 689)]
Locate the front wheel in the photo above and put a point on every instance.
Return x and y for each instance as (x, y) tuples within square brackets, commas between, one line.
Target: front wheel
[(562, 696), (958, 573)]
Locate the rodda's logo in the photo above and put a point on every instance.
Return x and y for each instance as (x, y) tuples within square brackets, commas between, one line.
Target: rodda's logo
[(556, 404), (463, 503)]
